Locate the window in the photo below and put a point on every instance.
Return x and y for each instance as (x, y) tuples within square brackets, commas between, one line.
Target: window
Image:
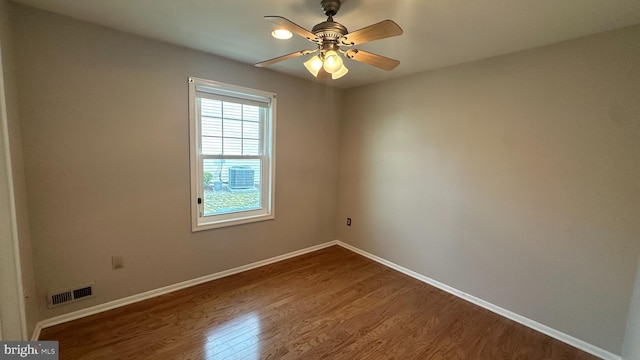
[(232, 143)]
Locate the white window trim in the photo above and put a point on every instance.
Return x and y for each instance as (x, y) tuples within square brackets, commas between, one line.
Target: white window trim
[(198, 222)]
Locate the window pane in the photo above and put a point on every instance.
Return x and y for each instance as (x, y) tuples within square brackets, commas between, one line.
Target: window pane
[(231, 110), (251, 130), (211, 108), (251, 113), (232, 146), (233, 186), (235, 131), (251, 147), (211, 126), (211, 145), (232, 128)]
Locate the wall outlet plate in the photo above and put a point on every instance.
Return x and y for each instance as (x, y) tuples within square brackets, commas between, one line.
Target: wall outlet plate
[(117, 262)]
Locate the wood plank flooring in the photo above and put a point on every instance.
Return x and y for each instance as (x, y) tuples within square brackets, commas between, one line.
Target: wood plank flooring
[(329, 304)]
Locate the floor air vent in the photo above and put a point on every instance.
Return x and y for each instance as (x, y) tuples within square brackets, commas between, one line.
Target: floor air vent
[(67, 296)]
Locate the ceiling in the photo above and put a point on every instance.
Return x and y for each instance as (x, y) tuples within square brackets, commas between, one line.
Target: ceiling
[(437, 33)]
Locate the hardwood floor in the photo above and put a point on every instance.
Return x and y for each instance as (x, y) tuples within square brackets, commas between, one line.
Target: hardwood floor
[(329, 304)]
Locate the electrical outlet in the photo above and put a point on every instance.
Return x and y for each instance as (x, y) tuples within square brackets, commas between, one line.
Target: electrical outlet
[(348, 221), (117, 262)]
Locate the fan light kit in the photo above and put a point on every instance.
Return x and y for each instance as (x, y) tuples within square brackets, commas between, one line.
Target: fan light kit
[(330, 37)]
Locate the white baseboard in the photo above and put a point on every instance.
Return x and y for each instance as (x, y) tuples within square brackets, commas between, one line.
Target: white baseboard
[(167, 289), (36, 331), (577, 343), (568, 339)]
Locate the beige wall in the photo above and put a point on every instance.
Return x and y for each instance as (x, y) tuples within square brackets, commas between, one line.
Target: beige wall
[(105, 138), (515, 179), (17, 170)]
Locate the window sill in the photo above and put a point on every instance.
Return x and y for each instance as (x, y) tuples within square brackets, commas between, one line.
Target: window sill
[(232, 222)]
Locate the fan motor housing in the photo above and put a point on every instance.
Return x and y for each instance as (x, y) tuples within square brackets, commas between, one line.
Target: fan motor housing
[(329, 30)]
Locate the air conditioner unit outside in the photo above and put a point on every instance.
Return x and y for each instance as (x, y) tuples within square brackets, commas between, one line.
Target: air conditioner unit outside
[(241, 177)]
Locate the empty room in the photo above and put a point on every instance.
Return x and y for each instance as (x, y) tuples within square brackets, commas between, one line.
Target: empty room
[(307, 179)]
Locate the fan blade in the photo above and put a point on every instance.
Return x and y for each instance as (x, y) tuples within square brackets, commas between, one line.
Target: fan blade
[(372, 59), (381, 30), (284, 57), (291, 26)]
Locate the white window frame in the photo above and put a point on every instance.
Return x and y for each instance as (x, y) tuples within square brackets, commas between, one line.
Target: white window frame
[(200, 222)]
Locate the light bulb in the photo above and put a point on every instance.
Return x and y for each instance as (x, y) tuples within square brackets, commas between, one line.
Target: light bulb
[(332, 61), (313, 65), (340, 73), (282, 34)]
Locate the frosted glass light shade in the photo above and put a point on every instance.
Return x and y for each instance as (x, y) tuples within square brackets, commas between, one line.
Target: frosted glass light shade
[(314, 65), (332, 62), (340, 73)]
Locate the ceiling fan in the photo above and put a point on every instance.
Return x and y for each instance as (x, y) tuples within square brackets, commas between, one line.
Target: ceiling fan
[(331, 37)]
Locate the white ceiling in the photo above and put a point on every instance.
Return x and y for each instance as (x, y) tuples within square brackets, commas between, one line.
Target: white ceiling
[(437, 33)]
